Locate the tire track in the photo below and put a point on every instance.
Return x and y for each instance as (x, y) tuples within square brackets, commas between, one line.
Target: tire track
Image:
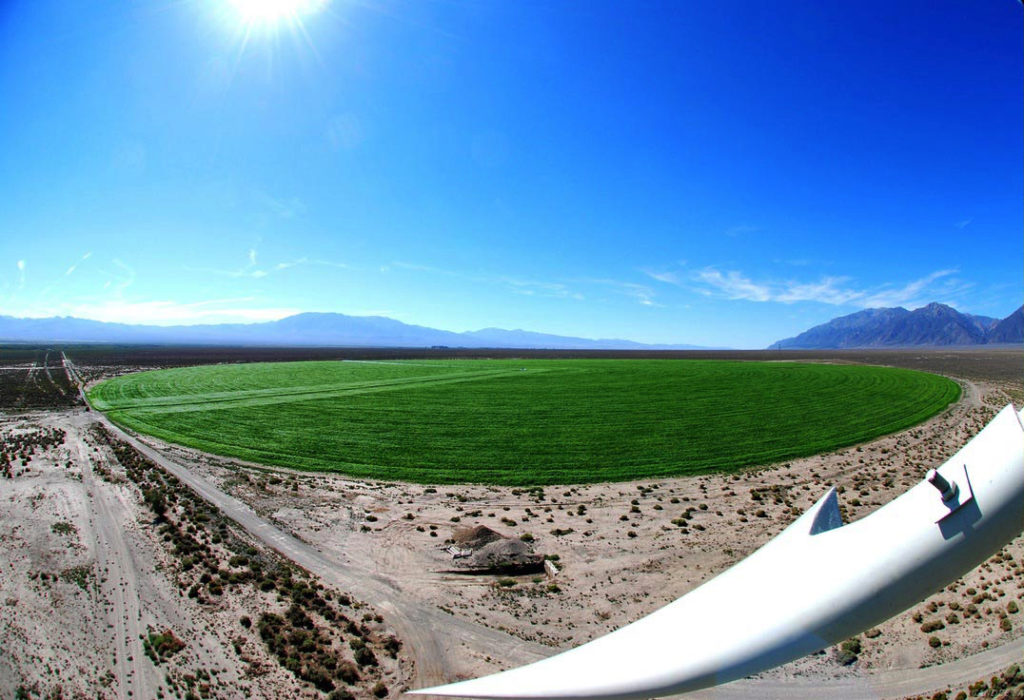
[(117, 577), (436, 637)]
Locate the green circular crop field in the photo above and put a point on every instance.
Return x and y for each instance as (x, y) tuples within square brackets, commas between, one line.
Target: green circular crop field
[(522, 422)]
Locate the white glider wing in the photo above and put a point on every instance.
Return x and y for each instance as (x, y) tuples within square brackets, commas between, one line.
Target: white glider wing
[(816, 584)]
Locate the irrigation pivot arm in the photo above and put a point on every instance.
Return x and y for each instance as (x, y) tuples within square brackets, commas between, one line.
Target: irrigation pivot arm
[(817, 583)]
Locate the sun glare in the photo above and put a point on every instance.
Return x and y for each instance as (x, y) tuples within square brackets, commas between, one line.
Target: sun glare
[(272, 12)]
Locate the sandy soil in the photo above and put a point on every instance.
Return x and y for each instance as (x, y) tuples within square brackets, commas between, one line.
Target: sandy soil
[(85, 578)]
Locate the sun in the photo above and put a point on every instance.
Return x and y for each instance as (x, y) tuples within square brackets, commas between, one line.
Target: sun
[(274, 12)]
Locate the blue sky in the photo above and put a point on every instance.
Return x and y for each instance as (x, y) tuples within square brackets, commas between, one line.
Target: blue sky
[(722, 174)]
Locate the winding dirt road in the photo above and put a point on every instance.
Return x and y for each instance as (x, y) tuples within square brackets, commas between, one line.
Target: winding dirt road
[(436, 638)]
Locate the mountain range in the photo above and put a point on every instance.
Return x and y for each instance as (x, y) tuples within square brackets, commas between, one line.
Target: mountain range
[(935, 324), (300, 330), (932, 325)]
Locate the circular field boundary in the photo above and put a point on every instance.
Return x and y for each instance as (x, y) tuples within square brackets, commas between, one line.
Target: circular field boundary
[(523, 422)]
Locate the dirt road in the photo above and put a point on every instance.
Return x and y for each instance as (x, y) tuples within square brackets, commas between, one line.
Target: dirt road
[(883, 684), (120, 580), (438, 639)]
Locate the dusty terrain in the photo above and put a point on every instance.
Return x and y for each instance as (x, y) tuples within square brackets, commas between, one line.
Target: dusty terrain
[(102, 597), (622, 550)]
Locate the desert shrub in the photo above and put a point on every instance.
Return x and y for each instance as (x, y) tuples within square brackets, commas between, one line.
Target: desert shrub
[(365, 657), (392, 645), (318, 676), (160, 647), (347, 673), (848, 651)]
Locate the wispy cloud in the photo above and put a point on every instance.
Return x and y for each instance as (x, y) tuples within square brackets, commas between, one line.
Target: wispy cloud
[(71, 270), (963, 224), (640, 293), (836, 291), (516, 285), (914, 293), (21, 274), (666, 277), (121, 281), (530, 287), (287, 207), (309, 261), (251, 269), (733, 285), (421, 268)]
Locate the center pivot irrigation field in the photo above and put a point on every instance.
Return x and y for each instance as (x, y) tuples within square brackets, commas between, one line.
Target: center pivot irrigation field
[(522, 422)]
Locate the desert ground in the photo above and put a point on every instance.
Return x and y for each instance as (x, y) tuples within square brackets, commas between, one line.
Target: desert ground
[(117, 580)]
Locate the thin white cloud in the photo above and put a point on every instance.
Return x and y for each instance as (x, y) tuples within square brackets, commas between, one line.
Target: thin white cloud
[(516, 285), (640, 293), (733, 285), (287, 208), (914, 293), (836, 291), (964, 223), (666, 277), (123, 281), (250, 269), (253, 270), (530, 287), (21, 274), (422, 268), (828, 290), (287, 264), (74, 267)]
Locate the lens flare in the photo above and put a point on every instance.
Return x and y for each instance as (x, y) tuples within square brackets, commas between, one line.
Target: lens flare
[(272, 12)]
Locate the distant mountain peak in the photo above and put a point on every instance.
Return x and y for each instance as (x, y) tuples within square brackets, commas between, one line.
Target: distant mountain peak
[(933, 325)]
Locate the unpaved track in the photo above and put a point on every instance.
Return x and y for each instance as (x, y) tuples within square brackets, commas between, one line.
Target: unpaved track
[(119, 582), (434, 636), (880, 684)]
